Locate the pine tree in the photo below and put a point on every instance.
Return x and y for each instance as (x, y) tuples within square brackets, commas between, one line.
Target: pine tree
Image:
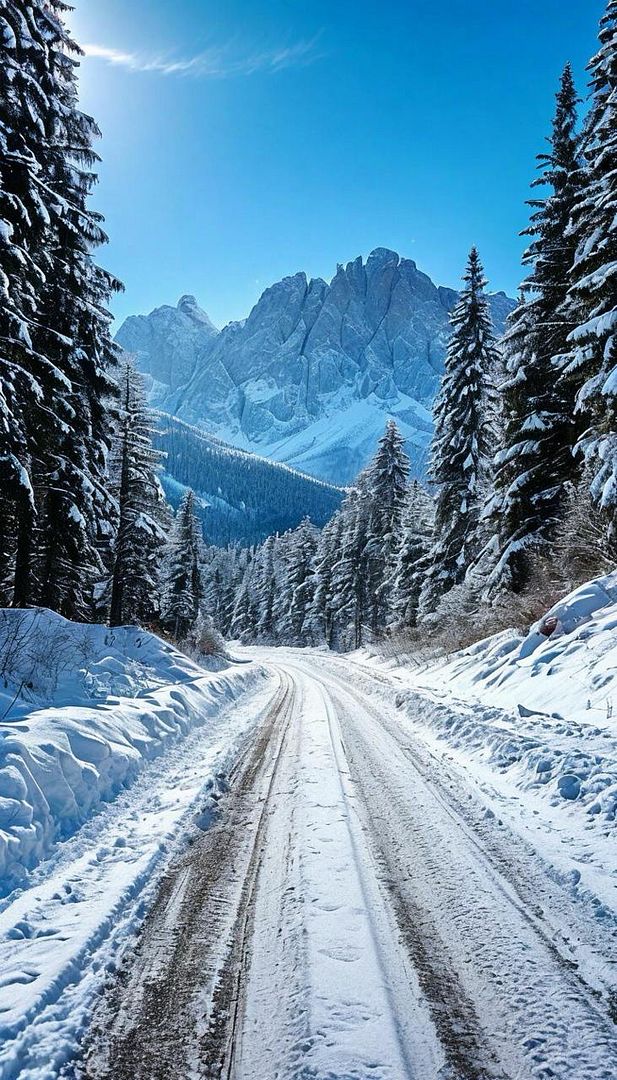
[(412, 556), (298, 582), (75, 334), (242, 626), (140, 534), (592, 364), (349, 590), (320, 618), (463, 440), (28, 381), (55, 344), (241, 570), (220, 572), (182, 582), (386, 486), (265, 590), (535, 461)]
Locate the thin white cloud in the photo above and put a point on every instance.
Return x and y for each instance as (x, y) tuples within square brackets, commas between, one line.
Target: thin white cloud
[(217, 62)]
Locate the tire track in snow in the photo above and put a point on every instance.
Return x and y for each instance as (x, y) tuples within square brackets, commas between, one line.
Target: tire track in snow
[(464, 924), (358, 1003), (169, 1012)]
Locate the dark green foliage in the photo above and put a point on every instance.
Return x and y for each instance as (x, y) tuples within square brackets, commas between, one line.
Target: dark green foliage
[(463, 442), (535, 462)]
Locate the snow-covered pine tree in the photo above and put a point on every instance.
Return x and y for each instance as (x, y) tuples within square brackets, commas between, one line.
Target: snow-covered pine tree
[(241, 571), (182, 586), (220, 572), (348, 593), (54, 328), (319, 622), (535, 461), (412, 556), (265, 590), (73, 332), (463, 440), (386, 488), (299, 582), (242, 625), (28, 380), (140, 532), (592, 364)]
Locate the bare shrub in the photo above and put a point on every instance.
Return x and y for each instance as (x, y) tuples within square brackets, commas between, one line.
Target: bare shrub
[(34, 651), (15, 635)]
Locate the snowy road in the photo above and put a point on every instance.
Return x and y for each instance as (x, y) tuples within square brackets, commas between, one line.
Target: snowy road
[(65, 929), (352, 915)]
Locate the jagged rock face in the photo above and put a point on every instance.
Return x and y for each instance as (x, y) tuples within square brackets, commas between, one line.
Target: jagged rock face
[(313, 372), (168, 344)]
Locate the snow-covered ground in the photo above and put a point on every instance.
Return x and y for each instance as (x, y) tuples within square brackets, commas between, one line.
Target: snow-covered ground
[(530, 719), (378, 922), (114, 747), (414, 876), (81, 710), (339, 443)]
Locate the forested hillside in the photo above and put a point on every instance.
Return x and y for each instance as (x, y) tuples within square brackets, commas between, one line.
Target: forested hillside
[(241, 497)]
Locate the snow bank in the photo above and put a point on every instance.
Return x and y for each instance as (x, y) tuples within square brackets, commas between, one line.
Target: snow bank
[(574, 611), (82, 708), (565, 667), (531, 720), (62, 934), (547, 716)]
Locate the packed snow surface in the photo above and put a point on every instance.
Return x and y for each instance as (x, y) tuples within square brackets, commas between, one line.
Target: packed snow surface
[(383, 829), (477, 793), (121, 745)]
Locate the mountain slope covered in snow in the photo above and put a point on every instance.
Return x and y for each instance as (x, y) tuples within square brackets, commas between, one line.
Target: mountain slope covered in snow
[(313, 372)]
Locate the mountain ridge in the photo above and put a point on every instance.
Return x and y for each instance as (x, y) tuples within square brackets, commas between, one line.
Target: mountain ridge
[(309, 377)]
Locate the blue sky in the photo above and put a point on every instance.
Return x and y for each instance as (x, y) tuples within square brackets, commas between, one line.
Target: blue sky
[(245, 141)]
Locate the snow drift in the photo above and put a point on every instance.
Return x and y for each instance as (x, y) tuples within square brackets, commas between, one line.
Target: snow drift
[(530, 721), (82, 708), (547, 716)]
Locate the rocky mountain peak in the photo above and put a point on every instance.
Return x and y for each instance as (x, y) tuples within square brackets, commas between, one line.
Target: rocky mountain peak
[(188, 305), (313, 372)]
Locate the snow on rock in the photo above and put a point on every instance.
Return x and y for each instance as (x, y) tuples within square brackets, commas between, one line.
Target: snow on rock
[(306, 360), (168, 344), (82, 708), (572, 612)]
